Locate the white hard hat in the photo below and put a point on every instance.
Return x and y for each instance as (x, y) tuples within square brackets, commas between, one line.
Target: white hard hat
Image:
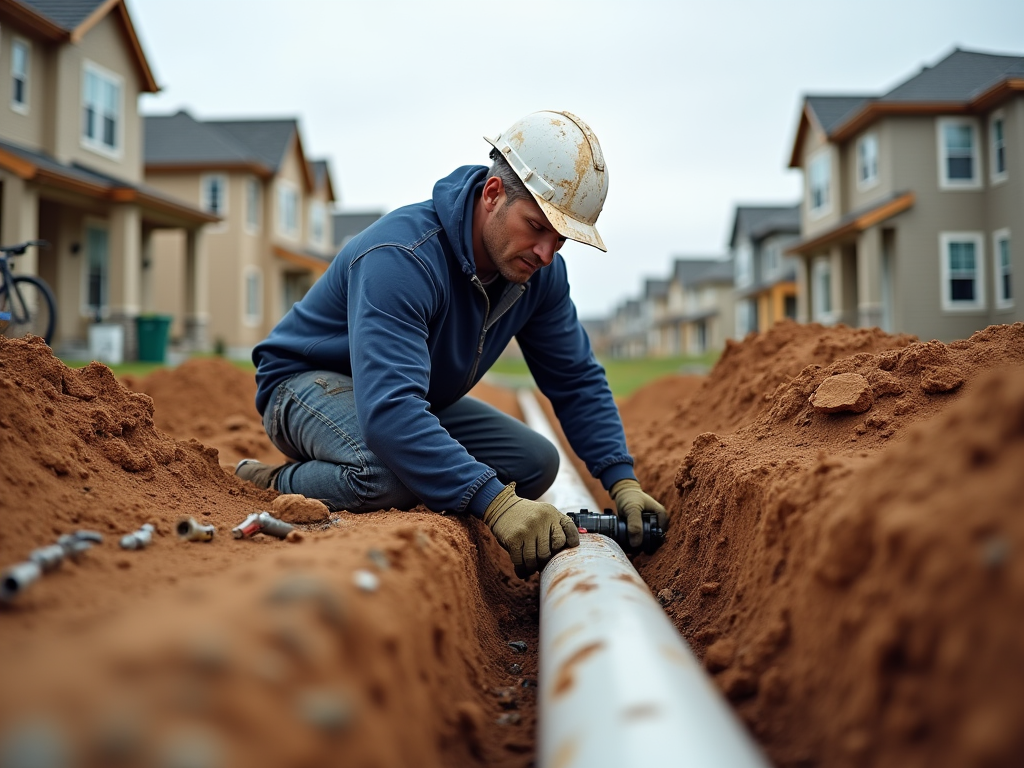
[(559, 160)]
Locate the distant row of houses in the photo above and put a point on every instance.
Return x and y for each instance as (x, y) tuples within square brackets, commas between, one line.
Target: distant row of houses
[(910, 202), (221, 224)]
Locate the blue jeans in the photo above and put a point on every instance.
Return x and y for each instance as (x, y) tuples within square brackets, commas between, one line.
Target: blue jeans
[(311, 419)]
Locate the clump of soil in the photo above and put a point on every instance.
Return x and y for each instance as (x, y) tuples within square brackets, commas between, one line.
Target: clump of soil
[(853, 580), (377, 640)]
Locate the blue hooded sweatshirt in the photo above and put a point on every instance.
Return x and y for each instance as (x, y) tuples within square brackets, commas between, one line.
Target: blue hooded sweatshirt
[(402, 311)]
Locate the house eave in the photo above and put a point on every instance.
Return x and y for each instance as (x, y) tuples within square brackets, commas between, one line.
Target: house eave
[(854, 225)]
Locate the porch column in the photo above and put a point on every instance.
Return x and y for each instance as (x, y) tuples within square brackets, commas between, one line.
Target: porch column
[(869, 278), (197, 295), (146, 275), (803, 289), (19, 221), (125, 276)]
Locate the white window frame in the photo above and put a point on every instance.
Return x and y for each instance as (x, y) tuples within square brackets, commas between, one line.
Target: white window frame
[(945, 182), (249, 274), (821, 303), (204, 199), (85, 308), (744, 275), (1001, 236), (945, 240), (824, 158), (21, 107), (869, 180), (253, 205), (97, 145), (317, 207), (285, 188), (997, 176)]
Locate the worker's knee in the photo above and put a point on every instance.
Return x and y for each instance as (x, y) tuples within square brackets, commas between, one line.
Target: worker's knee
[(538, 471), (375, 487)]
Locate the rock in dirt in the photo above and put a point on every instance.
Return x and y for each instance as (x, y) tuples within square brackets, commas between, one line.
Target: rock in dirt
[(843, 392), (518, 646), (296, 508)]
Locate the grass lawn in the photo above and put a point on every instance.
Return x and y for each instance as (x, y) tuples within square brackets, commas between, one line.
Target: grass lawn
[(624, 376), (144, 369)]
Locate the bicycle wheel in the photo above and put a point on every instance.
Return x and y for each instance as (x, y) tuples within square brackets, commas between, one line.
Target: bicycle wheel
[(31, 306)]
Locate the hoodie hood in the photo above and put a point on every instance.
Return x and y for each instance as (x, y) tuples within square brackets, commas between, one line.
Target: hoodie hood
[(453, 199)]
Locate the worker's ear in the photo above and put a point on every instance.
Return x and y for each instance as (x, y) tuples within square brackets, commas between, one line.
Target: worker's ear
[(493, 194)]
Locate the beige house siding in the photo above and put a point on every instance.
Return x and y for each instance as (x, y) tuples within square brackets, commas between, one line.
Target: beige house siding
[(815, 145), (25, 128)]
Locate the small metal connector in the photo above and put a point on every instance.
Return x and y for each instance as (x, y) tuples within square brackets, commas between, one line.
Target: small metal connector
[(271, 526), (48, 558), (139, 539), (189, 530), (248, 527), (17, 578)]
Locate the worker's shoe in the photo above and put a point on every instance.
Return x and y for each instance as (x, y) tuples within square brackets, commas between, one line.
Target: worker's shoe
[(258, 473)]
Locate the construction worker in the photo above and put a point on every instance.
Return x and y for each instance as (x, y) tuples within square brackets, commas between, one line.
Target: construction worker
[(363, 383)]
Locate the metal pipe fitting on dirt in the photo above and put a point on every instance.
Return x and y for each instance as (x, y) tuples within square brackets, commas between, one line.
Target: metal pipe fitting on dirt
[(618, 685), (140, 539), (17, 578), (248, 527), (74, 544), (48, 558), (271, 526), (189, 530)]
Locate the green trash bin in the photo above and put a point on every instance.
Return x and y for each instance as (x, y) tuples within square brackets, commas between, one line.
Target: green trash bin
[(153, 331)]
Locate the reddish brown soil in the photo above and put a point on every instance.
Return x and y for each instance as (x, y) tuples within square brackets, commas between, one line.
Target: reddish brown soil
[(853, 580)]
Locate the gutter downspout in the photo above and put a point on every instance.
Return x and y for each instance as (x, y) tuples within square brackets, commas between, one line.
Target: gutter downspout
[(618, 684)]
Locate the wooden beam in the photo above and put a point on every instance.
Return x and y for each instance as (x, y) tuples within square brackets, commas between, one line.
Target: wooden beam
[(855, 226), (19, 166), (301, 260)]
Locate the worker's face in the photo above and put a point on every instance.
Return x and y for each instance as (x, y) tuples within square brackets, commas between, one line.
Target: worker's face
[(519, 240)]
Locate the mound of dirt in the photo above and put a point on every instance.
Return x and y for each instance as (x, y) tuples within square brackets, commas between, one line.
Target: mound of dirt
[(211, 400), (853, 579), (379, 640)]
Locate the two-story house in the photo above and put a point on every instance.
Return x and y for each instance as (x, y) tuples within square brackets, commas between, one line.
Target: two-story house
[(765, 277), (912, 198), (276, 229), (699, 316), (71, 72)]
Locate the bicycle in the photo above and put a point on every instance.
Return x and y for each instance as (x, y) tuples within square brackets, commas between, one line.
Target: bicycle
[(26, 302)]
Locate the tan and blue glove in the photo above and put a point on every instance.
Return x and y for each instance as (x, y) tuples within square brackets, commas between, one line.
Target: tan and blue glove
[(630, 504), (530, 531)]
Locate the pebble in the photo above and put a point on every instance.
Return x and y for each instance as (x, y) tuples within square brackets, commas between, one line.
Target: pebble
[(508, 718), (515, 669), (666, 596), (518, 646), (995, 551), (843, 392), (528, 682), (325, 710), (379, 559), (366, 581), (506, 697), (294, 537)]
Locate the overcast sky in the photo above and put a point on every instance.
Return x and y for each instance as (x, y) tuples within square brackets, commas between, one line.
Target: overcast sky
[(695, 104)]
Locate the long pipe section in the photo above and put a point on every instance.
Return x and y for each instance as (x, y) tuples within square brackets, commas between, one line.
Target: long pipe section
[(618, 685)]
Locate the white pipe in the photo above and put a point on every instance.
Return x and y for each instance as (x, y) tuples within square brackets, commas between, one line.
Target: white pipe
[(618, 685)]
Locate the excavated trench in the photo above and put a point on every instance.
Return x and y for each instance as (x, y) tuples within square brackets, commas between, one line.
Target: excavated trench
[(850, 577)]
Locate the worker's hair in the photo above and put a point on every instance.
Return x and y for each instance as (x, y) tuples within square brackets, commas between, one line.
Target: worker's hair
[(514, 187)]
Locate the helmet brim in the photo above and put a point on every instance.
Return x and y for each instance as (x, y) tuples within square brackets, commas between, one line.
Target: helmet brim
[(570, 228)]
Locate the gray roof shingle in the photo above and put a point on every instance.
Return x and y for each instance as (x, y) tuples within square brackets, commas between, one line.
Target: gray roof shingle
[(758, 221), (180, 138), (832, 111), (959, 77), (67, 14), (267, 140), (348, 225), (690, 271)]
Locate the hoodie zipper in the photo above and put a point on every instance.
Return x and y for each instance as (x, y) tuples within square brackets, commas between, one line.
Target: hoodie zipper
[(488, 323)]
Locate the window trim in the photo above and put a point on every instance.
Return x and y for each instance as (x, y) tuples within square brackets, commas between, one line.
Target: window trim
[(872, 181), (249, 320), (945, 183), (314, 206), (283, 186), (22, 108), (116, 152), (945, 240), (826, 207), (996, 177), (222, 225), (1001, 235)]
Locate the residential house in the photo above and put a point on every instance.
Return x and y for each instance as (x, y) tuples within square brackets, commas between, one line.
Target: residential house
[(912, 199), (700, 315), (349, 224), (653, 311), (765, 279), (276, 231), (627, 336), (71, 72)]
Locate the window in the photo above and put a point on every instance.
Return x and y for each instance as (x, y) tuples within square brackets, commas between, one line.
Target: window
[(287, 209), (820, 180), (253, 296), (821, 292), (962, 284), (252, 205), (867, 161), (215, 194), (317, 221), (101, 110), (1003, 268), (19, 75), (771, 260), (998, 148), (958, 154), (97, 264), (744, 265)]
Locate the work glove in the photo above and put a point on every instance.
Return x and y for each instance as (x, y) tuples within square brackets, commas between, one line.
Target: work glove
[(530, 531), (630, 503)]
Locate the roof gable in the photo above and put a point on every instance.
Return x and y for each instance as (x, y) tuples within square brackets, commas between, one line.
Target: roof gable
[(757, 221), (181, 140)]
